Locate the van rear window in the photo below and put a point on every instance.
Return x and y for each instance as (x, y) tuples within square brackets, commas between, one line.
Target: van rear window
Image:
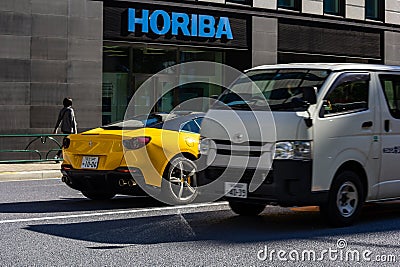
[(391, 87)]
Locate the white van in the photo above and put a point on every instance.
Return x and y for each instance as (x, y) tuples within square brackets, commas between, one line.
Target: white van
[(336, 141)]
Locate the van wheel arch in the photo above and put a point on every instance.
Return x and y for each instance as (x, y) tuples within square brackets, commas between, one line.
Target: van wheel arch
[(356, 167)]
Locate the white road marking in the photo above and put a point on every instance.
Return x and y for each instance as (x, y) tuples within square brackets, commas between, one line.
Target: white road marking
[(186, 224), (180, 209)]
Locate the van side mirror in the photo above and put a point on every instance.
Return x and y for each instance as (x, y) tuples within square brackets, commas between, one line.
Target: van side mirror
[(310, 95)]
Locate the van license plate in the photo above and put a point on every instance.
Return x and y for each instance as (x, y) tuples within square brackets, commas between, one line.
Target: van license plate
[(238, 190), (89, 162)]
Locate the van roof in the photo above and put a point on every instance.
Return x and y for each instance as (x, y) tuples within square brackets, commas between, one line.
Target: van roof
[(330, 66)]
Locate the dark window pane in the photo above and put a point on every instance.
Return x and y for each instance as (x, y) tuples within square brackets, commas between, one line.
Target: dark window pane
[(198, 121), (349, 95), (291, 4), (334, 7), (190, 126), (391, 88), (374, 9), (245, 2)]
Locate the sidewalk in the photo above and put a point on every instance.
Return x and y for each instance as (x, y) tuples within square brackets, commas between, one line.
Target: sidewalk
[(29, 171)]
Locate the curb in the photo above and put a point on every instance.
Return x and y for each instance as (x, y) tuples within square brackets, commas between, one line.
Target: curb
[(29, 175)]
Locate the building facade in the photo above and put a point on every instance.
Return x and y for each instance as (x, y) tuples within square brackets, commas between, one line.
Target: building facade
[(99, 53)]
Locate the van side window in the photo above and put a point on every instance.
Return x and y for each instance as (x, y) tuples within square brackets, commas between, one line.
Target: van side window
[(348, 94), (391, 88)]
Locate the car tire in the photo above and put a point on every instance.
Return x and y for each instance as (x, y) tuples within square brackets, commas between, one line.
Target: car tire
[(180, 181), (346, 198), (98, 195), (246, 209)]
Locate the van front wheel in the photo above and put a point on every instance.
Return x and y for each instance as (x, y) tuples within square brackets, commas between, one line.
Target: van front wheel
[(345, 200)]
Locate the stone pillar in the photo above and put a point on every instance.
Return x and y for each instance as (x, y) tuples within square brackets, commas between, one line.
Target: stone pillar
[(49, 50), (85, 69), (264, 41), (313, 7), (392, 48)]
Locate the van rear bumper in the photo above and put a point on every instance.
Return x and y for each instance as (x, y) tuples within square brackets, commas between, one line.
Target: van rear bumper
[(287, 184)]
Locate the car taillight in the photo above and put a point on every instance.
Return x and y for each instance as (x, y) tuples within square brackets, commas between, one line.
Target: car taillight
[(66, 142), (126, 170), (136, 142), (66, 167)]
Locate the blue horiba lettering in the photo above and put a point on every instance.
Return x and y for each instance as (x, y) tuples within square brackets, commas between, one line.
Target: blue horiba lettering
[(190, 25)]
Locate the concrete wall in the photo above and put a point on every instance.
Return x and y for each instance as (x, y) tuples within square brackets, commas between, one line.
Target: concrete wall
[(49, 50), (355, 9), (313, 7), (392, 11), (264, 41), (270, 4), (392, 48)]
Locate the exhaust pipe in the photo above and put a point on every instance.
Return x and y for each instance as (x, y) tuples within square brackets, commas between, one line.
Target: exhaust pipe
[(122, 182), (65, 179), (131, 183)]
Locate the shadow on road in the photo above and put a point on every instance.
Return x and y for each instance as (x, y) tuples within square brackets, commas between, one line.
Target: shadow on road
[(79, 204), (223, 226)]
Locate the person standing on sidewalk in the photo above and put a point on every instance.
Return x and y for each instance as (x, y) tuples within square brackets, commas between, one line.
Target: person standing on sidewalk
[(66, 119)]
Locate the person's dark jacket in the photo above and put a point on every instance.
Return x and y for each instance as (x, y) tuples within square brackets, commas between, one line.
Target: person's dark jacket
[(66, 118)]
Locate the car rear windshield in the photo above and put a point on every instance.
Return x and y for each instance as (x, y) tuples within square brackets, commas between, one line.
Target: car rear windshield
[(282, 89), (137, 122)]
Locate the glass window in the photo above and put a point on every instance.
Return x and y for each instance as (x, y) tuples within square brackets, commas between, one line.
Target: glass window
[(350, 94), (115, 82), (199, 121), (391, 88), (289, 4), (283, 89), (127, 66), (190, 126), (244, 2), (334, 7), (374, 9)]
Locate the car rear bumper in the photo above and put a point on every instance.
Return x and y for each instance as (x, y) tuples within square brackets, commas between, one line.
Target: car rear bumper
[(104, 181), (287, 184)]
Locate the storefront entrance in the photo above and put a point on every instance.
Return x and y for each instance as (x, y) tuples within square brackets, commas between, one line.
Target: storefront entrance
[(127, 66)]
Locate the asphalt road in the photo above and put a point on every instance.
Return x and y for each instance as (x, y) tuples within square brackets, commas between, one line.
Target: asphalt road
[(44, 223)]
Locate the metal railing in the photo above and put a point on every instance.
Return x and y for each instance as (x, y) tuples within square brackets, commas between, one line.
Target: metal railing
[(38, 148)]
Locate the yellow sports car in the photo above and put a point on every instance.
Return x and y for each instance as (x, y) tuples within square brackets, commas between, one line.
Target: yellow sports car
[(135, 155)]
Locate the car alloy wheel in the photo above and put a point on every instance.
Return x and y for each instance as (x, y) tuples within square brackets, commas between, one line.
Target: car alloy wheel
[(181, 177)]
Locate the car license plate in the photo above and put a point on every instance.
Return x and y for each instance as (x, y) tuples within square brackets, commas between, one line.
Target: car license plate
[(236, 190), (89, 162)]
